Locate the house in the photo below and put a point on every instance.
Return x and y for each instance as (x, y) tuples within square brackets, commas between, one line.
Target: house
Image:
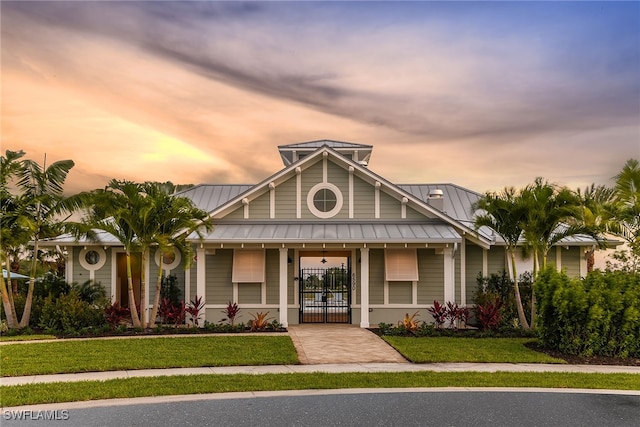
[(325, 239)]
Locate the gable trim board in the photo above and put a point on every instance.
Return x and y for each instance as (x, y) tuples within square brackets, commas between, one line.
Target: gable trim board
[(327, 199)]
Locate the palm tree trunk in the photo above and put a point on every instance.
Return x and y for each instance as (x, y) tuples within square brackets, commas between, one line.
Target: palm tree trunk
[(9, 310), (26, 314), (143, 289), (132, 299), (156, 298), (516, 291), (536, 269)]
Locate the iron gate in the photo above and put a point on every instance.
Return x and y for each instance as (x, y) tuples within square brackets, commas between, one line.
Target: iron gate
[(325, 295)]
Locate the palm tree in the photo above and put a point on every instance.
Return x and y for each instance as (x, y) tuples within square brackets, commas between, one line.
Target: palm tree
[(627, 204), (42, 199), (117, 210), (504, 213), (552, 214), (176, 218), (597, 212)]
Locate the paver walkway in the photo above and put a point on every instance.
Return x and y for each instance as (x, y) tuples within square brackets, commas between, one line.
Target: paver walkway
[(330, 343)]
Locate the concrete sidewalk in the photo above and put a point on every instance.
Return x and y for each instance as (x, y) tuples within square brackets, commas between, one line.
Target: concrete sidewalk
[(329, 368)]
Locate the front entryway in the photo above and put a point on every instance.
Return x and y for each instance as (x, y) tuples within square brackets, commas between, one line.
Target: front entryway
[(325, 294)]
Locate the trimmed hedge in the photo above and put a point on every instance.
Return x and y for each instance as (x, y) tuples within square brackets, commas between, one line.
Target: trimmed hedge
[(597, 315)]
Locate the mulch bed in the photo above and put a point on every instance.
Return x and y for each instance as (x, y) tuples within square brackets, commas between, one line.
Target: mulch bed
[(579, 360)]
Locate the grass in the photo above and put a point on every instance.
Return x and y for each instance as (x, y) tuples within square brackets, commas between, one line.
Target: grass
[(33, 337), (453, 349), (144, 353), (32, 394)]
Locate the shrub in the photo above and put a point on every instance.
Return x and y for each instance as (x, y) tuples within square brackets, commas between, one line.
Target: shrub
[(68, 314), (259, 321), (410, 324), (91, 292), (116, 315), (439, 313), (489, 314), (231, 311), (193, 309), (598, 315), (169, 289)]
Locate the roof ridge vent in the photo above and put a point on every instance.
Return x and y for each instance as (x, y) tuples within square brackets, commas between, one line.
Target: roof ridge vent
[(436, 199)]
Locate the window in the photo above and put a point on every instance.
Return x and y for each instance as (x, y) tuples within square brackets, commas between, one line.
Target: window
[(324, 200), (248, 266), (170, 258), (92, 258), (401, 265)]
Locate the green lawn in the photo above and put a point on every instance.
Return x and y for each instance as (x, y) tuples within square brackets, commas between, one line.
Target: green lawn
[(33, 337), (453, 349), (32, 394), (144, 353)]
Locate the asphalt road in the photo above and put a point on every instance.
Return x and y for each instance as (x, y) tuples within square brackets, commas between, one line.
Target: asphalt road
[(432, 408)]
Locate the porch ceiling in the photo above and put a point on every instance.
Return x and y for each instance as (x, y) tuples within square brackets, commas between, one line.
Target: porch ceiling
[(333, 232)]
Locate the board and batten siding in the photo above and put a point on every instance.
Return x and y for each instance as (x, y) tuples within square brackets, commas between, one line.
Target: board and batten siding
[(219, 289), (376, 276), (431, 274)]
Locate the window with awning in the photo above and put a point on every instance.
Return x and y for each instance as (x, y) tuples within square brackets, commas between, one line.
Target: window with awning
[(401, 265), (248, 266)]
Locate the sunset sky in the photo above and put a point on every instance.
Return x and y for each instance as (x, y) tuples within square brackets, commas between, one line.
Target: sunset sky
[(481, 94)]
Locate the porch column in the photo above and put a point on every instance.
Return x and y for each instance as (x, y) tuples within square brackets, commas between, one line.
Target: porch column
[(449, 275), (283, 306), (364, 287), (201, 288)]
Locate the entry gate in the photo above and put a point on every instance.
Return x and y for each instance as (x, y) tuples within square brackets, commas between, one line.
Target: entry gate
[(325, 295)]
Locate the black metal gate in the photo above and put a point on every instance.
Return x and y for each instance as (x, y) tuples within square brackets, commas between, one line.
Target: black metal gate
[(325, 295)]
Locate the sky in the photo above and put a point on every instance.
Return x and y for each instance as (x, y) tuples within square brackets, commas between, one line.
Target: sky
[(480, 94)]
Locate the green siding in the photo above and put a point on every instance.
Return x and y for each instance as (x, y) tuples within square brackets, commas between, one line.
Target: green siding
[(431, 273), (193, 272), (571, 260), (413, 214), (309, 177), (103, 275), (273, 275), (400, 293), (496, 260), (363, 199), (474, 267), (291, 274), (286, 199), (376, 276), (219, 289), (237, 214), (390, 208), (259, 207), (249, 293)]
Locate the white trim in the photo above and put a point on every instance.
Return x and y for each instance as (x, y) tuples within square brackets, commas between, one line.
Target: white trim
[(298, 193), (245, 209), (283, 288), (414, 292), (201, 285), (325, 186), (463, 272), (187, 284), (351, 192), (449, 275), (485, 262), (377, 199), (325, 172), (146, 296), (102, 259), (272, 200), (174, 264), (364, 287), (403, 208), (68, 271), (559, 258), (385, 293), (114, 274)]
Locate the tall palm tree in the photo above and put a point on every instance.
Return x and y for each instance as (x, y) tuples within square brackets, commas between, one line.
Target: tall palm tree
[(42, 188), (627, 202), (176, 218), (597, 203), (504, 213), (552, 214), (117, 209)]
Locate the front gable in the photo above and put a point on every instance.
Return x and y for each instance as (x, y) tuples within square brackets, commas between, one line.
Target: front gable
[(296, 193)]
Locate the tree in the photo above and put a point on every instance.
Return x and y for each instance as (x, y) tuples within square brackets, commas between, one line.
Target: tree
[(627, 206), (552, 213), (504, 213), (175, 218), (117, 209)]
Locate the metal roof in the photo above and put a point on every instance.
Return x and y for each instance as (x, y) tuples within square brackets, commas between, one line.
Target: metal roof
[(208, 197), (367, 232), (322, 142)]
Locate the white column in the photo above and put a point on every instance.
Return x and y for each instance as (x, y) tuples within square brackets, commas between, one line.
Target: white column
[(283, 306), (449, 276), (485, 263), (201, 288), (364, 287), (68, 269), (558, 258), (463, 272)]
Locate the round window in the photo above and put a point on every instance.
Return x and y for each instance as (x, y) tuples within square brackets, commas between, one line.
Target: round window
[(324, 200), (170, 258), (92, 258)]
